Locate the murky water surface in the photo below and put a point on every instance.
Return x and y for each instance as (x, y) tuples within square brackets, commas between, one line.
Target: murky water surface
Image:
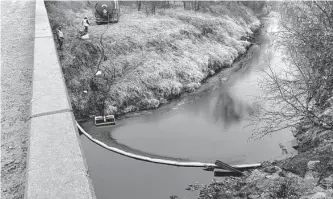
[(211, 128)]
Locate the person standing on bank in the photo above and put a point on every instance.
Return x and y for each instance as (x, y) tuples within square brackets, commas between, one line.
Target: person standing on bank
[(85, 23), (60, 35)]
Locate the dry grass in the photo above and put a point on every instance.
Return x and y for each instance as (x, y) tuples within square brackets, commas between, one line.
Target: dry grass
[(154, 57)]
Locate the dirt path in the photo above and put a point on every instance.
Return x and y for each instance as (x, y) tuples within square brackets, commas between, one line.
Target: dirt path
[(17, 50)]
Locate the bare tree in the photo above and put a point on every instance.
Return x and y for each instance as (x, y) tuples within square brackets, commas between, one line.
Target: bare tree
[(150, 7), (196, 5), (166, 4), (300, 93), (138, 3), (153, 7)]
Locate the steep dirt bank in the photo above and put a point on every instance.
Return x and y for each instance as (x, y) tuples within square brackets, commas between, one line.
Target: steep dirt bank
[(150, 60)]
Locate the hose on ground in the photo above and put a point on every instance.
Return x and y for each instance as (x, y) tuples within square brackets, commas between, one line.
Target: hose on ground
[(102, 48)]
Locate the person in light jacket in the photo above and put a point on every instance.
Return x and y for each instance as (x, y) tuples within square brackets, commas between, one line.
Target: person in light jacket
[(60, 36), (86, 24)]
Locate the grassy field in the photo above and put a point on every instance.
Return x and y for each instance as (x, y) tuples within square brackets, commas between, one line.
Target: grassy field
[(150, 59)]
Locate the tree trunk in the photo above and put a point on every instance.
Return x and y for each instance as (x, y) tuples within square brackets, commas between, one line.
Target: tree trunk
[(153, 7), (138, 3), (197, 5), (147, 11)]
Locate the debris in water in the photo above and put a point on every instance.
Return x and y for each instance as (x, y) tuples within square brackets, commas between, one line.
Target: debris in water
[(283, 148), (194, 187)]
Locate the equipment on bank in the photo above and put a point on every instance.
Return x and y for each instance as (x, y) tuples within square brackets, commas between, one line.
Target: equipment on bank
[(83, 34), (107, 11), (105, 120)]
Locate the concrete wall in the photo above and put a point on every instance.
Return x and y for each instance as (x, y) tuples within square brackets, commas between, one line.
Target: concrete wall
[(56, 165)]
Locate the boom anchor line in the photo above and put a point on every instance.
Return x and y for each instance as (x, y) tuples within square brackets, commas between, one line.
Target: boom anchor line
[(222, 167)]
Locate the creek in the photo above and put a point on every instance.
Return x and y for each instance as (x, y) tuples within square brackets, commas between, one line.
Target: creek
[(212, 127)]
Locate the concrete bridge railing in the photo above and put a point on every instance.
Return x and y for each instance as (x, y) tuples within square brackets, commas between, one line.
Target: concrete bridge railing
[(56, 164)]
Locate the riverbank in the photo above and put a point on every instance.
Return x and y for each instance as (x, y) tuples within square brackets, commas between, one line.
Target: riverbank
[(307, 175), (150, 59)]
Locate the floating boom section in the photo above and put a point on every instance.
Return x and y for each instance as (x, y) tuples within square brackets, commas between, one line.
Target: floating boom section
[(164, 161)]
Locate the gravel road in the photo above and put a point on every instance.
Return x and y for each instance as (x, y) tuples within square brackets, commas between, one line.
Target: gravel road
[(17, 51)]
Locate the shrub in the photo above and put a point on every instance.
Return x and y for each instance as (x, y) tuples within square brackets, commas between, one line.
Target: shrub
[(192, 86)]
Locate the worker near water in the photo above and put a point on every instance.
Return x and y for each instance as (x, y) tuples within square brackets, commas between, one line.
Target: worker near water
[(60, 36), (85, 23)]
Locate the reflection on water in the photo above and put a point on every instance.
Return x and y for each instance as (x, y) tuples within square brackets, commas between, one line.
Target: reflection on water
[(228, 110)]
